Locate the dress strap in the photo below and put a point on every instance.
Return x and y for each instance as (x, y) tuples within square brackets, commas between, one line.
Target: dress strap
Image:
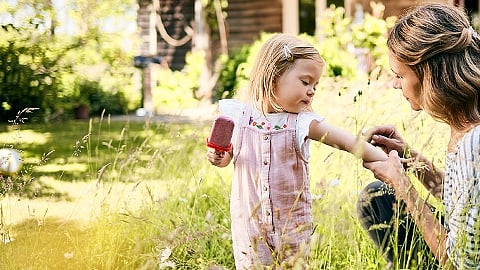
[(292, 120)]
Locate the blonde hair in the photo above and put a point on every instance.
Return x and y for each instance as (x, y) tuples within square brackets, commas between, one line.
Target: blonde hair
[(277, 55), (437, 42)]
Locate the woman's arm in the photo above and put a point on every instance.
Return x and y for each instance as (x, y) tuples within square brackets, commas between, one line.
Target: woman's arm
[(392, 172), (433, 232), (341, 139)]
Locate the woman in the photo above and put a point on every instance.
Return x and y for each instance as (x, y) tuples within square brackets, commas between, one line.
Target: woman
[(435, 56)]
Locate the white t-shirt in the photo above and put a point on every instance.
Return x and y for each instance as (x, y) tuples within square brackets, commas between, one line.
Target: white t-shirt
[(234, 109)]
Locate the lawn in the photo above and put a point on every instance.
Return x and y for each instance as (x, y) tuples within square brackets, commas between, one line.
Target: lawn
[(105, 194)]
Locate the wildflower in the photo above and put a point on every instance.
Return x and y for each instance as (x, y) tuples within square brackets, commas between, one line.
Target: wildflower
[(334, 182), (164, 261), (68, 255)]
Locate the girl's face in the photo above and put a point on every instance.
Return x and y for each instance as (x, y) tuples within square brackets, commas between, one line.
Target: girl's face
[(406, 80), (296, 86)]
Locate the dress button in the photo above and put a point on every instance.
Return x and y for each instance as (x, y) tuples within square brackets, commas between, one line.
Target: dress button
[(265, 137), (268, 213), (265, 188), (265, 162)]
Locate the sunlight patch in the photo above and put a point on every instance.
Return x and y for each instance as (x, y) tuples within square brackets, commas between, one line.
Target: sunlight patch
[(24, 137), (68, 255), (49, 168)]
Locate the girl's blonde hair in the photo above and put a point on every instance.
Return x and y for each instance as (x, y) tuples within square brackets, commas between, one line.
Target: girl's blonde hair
[(437, 42), (277, 55)]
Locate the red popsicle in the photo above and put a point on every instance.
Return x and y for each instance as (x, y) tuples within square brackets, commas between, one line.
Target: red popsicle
[(221, 134)]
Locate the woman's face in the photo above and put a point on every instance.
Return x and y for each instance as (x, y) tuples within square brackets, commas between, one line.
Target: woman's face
[(406, 80)]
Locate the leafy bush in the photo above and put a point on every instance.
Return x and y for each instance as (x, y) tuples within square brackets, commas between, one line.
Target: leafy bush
[(229, 75), (175, 90), (99, 74), (39, 66), (91, 94), (28, 72)]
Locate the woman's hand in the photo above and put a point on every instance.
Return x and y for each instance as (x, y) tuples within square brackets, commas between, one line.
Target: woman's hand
[(387, 138), (391, 172)]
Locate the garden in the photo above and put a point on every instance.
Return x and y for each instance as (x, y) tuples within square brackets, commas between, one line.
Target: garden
[(130, 193)]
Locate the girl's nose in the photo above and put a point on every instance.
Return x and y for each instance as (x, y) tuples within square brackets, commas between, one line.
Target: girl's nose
[(310, 92)]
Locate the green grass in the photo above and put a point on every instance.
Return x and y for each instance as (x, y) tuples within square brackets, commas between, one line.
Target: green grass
[(105, 194)]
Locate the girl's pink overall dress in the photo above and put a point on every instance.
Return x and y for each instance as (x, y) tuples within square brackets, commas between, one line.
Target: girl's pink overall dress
[(270, 201)]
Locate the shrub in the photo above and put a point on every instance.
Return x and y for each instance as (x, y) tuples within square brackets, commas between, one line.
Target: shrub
[(175, 90), (230, 75), (28, 72)]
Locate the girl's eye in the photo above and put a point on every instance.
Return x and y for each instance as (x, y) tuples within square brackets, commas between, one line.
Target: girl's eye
[(304, 82)]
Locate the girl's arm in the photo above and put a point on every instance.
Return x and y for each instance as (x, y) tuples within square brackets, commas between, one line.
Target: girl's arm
[(341, 139)]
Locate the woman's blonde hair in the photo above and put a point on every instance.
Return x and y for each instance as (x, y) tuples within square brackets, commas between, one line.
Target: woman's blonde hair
[(277, 55), (437, 42)]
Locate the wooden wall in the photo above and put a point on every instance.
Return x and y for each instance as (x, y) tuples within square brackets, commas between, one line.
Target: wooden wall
[(244, 23), (247, 19), (162, 28), (392, 7), (175, 16)]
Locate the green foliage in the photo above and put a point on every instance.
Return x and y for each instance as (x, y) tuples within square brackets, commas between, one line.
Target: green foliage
[(371, 34), (230, 74), (175, 90), (91, 94), (211, 18), (28, 73), (104, 72), (335, 44), (41, 66)]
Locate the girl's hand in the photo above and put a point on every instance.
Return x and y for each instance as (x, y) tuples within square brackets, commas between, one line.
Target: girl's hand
[(387, 138), (215, 157), (390, 171)]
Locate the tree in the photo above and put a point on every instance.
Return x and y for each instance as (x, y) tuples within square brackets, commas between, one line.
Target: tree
[(41, 56), (28, 63)]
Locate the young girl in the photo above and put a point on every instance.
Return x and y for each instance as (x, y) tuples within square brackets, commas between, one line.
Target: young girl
[(270, 201)]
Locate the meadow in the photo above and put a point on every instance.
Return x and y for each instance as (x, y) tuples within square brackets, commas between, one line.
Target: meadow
[(125, 194)]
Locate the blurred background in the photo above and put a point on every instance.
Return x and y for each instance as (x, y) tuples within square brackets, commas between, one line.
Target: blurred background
[(81, 58)]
